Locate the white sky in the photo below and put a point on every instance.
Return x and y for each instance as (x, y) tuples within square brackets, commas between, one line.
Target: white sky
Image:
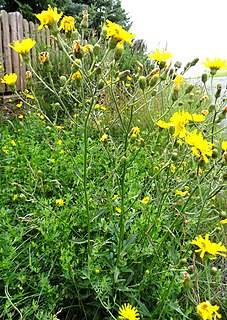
[(189, 28)]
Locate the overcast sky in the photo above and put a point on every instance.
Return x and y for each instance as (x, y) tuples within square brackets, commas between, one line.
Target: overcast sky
[(189, 28)]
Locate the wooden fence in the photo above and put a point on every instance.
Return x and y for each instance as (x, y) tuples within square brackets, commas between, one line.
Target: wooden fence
[(14, 27)]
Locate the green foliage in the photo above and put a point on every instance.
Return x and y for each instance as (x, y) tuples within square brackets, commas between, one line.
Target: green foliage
[(99, 203)]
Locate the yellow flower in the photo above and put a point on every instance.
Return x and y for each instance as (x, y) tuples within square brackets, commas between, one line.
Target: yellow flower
[(162, 124), (127, 312), (196, 117), (181, 193), (4, 149), (207, 311), (67, 24), (118, 209), (44, 57), (88, 48), (104, 138), (13, 142), (21, 116), (59, 142), (76, 76), (10, 79), (160, 55), (145, 200), (60, 202), (215, 64), (206, 245), (23, 47), (62, 151), (223, 221), (48, 18), (135, 130), (177, 82), (224, 145), (200, 147), (117, 32), (179, 120), (76, 46), (14, 197)]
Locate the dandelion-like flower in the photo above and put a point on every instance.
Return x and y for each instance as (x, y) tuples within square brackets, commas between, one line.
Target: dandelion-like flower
[(145, 200), (23, 47), (224, 145), (205, 245), (200, 147), (160, 55), (10, 79), (67, 24), (49, 17), (60, 202), (207, 311), (116, 31), (76, 76), (104, 137), (127, 312), (177, 82), (215, 64)]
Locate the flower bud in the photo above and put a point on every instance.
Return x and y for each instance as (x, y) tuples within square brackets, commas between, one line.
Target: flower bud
[(63, 79), (101, 84), (214, 153), (204, 78), (172, 129), (28, 75), (193, 63), (142, 82), (84, 22), (218, 92), (213, 271), (112, 43), (211, 107), (123, 75), (189, 88), (162, 65), (96, 49), (175, 95), (153, 80), (77, 65), (174, 156), (133, 137), (118, 50), (177, 64)]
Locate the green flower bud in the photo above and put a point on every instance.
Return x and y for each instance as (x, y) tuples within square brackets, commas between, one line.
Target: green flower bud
[(153, 80), (175, 95), (204, 78), (174, 156), (183, 261), (96, 49), (177, 64), (133, 137), (214, 153), (77, 65), (123, 75), (101, 84), (142, 82), (213, 271), (211, 107), (112, 43), (218, 92), (63, 79), (224, 176), (162, 65), (193, 63), (223, 214), (189, 88), (172, 129)]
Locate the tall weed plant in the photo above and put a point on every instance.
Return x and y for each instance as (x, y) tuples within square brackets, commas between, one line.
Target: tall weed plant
[(113, 198)]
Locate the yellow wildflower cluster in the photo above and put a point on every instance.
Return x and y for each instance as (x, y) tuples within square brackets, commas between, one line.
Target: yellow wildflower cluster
[(212, 248), (49, 17), (160, 55), (207, 311), (117, 32), (128, 312)]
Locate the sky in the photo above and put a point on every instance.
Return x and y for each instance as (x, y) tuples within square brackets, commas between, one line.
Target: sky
[(187, 28)]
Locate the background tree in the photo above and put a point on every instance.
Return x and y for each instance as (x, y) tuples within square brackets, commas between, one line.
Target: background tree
[(99, 10)]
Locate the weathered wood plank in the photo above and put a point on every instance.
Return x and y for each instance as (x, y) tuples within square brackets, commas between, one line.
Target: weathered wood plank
[(2, 86), (19, 19), (15, 58), (5, 43)]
